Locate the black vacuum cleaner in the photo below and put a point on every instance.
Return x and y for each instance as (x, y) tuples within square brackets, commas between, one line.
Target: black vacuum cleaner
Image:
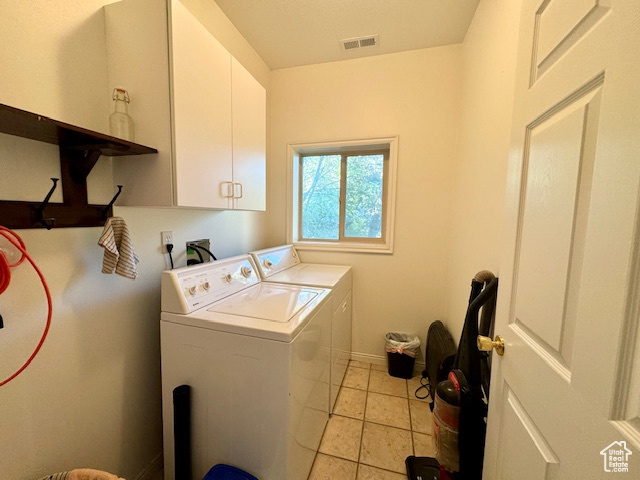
[(460, 409)]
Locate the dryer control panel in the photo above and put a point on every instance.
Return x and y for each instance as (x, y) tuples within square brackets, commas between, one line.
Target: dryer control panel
[(187, 289), (274, 260)]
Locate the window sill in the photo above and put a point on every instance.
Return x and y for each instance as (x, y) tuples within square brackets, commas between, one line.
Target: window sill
[(351, 247)]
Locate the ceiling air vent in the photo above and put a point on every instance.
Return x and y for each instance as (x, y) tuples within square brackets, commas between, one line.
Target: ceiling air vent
[(359, 42), (350, 44)]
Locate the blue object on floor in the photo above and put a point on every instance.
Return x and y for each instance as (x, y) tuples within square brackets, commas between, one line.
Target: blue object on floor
[(227, 472)]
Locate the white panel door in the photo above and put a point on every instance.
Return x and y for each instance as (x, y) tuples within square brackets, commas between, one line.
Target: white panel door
[(201, 94), (249, 139), (565, 395)]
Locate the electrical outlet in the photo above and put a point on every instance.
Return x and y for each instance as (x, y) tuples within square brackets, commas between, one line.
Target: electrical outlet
[(166, 237)]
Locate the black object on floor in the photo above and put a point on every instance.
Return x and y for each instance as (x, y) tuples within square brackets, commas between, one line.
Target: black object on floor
[(422, 468), (402, 349), (440, 355), (182, 431), (400, 365)]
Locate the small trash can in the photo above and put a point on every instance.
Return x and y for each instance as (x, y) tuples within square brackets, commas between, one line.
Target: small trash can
[(227, 472), (402, 349)]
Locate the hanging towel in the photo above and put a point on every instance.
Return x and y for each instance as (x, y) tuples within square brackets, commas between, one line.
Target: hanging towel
[(118, 251), (82, 474)]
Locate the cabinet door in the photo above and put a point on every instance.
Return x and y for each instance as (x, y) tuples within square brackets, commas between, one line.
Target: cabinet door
[(201, 95), (249, 139), (136, 39)]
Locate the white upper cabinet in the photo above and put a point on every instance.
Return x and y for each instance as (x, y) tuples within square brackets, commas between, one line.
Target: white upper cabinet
[(201, 94), (249, 139), (189, 96)]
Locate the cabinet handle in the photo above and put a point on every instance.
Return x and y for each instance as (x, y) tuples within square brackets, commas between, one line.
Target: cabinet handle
[(229, 189), (234, 190)]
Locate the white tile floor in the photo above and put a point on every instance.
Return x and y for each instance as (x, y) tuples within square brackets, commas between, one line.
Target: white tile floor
[(376, 424)]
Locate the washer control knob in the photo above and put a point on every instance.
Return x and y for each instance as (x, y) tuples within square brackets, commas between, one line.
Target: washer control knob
[(267, 263), (246, 272), (192, 290), (206, 285), (227, 278)]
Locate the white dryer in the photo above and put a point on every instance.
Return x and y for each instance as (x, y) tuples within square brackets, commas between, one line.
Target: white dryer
[(282, 265), (255, 355)]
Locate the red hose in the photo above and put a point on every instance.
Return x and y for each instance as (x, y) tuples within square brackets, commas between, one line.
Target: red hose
[(5, 279), (5, 274)]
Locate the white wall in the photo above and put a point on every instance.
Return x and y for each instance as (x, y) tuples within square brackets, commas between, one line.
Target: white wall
[(92, 396), (489, 56), (414, 95)]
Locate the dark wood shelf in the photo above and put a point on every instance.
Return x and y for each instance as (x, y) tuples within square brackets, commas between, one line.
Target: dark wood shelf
[(80, 149), (44, 129)]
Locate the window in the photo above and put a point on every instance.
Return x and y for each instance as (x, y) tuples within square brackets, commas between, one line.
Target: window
[(343, 195)]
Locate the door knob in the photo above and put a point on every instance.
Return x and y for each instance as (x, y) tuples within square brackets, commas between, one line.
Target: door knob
[(485, 344)]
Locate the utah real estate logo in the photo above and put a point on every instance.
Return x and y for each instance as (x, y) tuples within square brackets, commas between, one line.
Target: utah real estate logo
[(616, 457)]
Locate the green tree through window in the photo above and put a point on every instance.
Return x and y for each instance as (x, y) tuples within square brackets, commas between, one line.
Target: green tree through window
[(341, 196), (363, 207), (321, 197)]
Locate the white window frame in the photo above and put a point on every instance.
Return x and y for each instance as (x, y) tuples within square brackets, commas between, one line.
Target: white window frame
[(294, 150)]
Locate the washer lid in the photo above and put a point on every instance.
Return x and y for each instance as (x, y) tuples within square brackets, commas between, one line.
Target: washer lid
[(276, 303), (233, 314)]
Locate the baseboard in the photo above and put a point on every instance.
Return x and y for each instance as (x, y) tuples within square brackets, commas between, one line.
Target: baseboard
[(152, 471), (418, 367), (368, 358)]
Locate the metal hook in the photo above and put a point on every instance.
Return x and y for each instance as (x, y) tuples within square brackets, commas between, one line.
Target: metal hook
[(105, 212), (48, 223)]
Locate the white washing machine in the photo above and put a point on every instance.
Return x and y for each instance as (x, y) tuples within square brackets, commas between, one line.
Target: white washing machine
[(256, 356), (282, 265)]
